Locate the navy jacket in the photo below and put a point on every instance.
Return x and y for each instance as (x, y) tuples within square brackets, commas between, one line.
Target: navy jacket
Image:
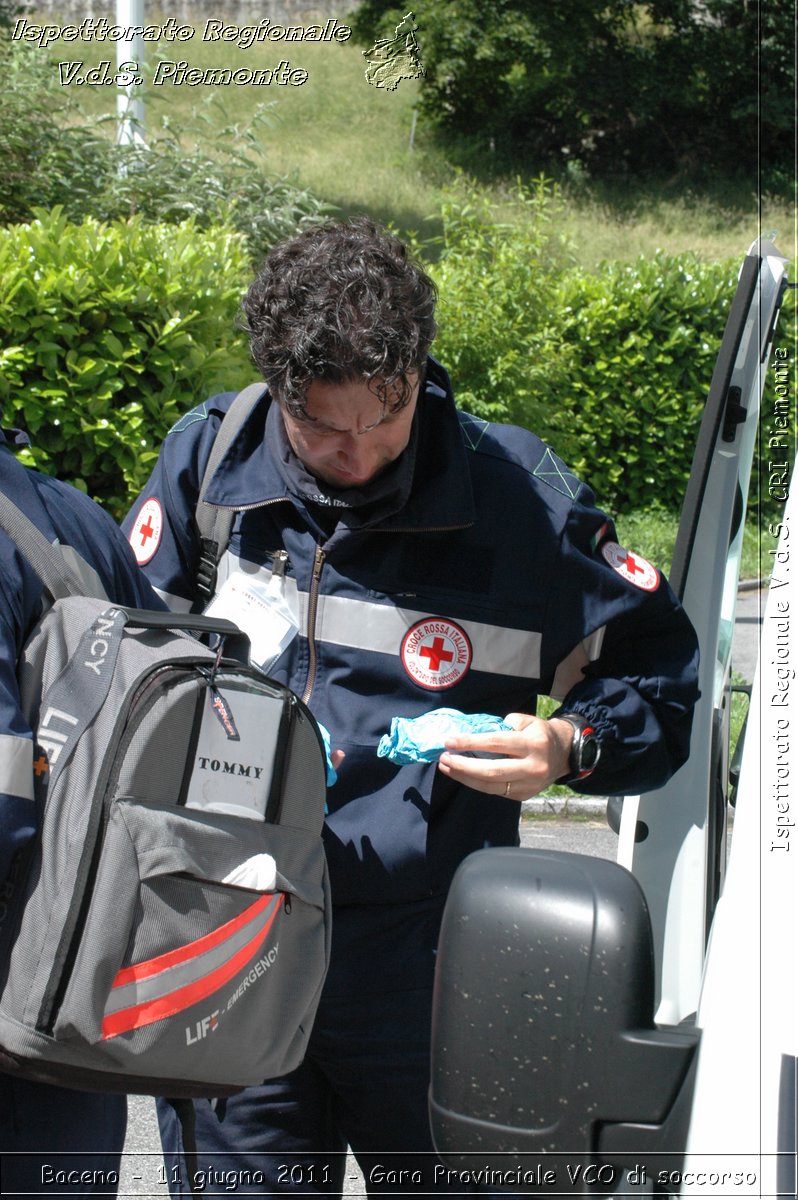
[(66, 515), (497, 580)]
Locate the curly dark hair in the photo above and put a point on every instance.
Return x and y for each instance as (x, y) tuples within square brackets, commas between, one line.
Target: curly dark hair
[(341, 301)]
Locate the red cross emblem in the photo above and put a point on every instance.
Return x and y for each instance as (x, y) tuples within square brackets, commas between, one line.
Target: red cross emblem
[(147, 531), (145, 536), (436, 653), (632, 567)]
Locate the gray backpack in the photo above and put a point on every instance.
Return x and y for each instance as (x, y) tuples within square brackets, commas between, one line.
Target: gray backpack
[(169, 931)]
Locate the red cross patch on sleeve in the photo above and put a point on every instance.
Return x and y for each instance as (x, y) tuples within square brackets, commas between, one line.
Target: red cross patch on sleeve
[(145, 536), (632, 567)]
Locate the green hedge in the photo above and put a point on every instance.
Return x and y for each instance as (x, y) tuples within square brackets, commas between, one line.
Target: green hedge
[(497, 312), (108, 333), (638, 342), (611, 367)]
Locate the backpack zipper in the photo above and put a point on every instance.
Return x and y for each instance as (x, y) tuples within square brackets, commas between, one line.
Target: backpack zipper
[(144, 693), (99, 811)]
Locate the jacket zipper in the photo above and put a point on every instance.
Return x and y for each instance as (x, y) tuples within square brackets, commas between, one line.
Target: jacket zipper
[(313, 601), (318, 564), (248, 507), (426, 529)]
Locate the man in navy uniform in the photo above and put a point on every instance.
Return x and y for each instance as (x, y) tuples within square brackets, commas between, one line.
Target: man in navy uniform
[(428, 559), (50, 1134)]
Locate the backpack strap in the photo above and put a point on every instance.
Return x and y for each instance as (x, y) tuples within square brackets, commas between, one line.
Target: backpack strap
[(214, 523), (46, 560), (187, 1116)]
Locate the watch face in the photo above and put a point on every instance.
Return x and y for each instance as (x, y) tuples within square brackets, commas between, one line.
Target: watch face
[(588, 753)]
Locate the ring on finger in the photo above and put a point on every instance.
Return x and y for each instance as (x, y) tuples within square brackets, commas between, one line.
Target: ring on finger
[(507, 787)]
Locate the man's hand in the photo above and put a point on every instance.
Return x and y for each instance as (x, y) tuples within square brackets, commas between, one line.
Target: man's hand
[(532, 756)]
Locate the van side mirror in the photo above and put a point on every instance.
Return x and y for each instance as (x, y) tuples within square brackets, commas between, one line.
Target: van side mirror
[(543, 1039)]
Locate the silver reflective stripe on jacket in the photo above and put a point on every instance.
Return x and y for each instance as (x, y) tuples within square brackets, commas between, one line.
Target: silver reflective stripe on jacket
[(380, 628)]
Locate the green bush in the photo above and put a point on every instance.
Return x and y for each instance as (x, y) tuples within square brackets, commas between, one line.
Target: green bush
[(657, 87), (109, 332), (28, 130), (640, 341), (612, 368), (498, 281), (219, 179)]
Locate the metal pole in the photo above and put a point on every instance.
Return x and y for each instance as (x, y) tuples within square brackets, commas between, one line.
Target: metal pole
[(129, 105)]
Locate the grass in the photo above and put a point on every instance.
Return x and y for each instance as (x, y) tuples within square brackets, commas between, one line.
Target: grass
[(601, 230), (351, 145), (653, 534), (542, 817)]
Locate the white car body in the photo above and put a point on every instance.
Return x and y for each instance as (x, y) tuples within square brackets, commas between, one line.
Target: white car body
[(668, 1048)]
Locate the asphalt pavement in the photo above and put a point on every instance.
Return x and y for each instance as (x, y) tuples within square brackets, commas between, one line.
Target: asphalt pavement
[(747, 622)]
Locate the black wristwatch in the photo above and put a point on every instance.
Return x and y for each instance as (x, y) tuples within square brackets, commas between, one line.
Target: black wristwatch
[(585, 748)]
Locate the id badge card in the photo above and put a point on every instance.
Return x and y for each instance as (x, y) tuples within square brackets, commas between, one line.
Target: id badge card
[(260, 609)]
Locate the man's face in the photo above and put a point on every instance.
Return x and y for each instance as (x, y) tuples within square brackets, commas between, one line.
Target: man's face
[(352, 436)]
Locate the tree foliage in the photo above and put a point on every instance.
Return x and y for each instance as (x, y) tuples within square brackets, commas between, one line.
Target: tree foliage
[(663, 85)]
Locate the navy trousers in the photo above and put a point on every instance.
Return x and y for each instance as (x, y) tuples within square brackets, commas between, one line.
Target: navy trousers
[(363, 1084), (57, 1142)]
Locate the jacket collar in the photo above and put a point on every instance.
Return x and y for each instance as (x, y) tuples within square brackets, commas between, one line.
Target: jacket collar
[(441, 495)]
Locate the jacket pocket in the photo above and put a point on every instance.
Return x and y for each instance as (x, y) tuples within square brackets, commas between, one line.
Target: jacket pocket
[(185, 928)]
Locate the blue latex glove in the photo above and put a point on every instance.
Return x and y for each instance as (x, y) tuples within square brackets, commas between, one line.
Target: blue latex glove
[(331, 773), (422, 739)]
